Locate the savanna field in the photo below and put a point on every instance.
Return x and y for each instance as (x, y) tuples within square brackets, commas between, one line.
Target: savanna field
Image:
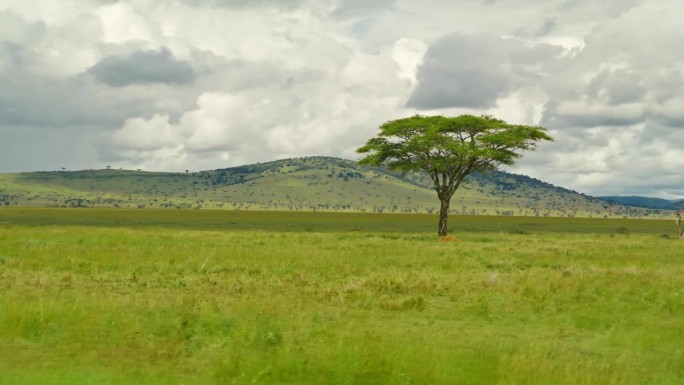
[(90, 296)]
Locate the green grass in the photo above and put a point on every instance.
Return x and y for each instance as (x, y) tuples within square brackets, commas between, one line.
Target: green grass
[(225, 220), (204, 297)]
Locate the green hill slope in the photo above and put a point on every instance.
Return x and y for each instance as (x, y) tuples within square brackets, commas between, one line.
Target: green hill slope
[(312, 183)]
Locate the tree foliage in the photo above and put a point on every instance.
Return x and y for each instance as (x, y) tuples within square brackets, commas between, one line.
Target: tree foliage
[(449, 148)]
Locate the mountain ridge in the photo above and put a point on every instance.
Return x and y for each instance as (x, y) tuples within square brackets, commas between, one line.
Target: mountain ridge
[(646, 202), (307, 183)]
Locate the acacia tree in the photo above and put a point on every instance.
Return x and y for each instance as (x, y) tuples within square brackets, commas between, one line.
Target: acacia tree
[(448, 149), (678, 220)]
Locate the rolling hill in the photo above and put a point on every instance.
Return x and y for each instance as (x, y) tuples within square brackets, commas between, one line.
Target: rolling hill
[(311, 183), (653, 203)]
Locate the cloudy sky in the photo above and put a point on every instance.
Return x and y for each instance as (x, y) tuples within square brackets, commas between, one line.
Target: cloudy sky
[(204, 84)]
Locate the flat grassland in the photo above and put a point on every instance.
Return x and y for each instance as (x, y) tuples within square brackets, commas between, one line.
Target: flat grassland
[(93, 296)]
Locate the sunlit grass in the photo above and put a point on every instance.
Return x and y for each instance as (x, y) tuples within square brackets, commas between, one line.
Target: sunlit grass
[(155, 304)]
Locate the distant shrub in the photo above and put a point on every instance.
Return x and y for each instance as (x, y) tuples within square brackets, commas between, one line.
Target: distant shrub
[(622, 230)]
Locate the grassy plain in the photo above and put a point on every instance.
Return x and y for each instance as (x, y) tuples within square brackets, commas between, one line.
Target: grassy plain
[(93, 296)]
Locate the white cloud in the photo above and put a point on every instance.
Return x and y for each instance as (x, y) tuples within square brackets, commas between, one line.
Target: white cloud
[(147, 134), (242, 81), (122, 23), (408, 53)]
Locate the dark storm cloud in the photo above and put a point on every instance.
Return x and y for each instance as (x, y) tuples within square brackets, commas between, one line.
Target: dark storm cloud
[(30, 99), (473, 71), (579, 116), (142, 67), (57, 103), (461, 71)]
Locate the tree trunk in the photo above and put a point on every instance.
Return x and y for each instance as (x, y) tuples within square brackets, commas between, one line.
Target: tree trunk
[(443, 217)]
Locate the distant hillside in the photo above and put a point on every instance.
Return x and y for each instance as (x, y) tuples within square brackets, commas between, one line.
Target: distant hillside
[(638, 201), (311, 183)]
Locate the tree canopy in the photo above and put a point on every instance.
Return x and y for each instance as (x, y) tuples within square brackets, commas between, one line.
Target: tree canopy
[(449, 148)]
